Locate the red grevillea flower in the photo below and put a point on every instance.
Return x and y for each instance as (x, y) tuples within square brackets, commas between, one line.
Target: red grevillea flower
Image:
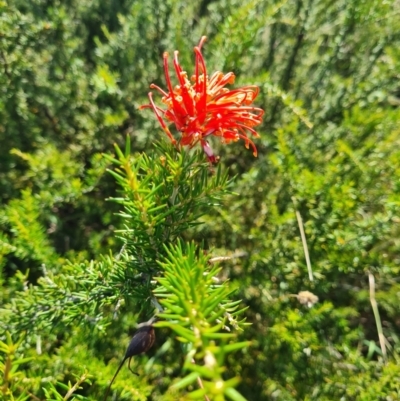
[(202, 106)]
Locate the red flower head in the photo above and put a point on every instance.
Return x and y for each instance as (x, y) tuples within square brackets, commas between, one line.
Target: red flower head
[(202, 106)]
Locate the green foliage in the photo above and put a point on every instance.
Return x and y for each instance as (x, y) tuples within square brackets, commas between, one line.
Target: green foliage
[(14, 381), (77, 273), (163, 195), (197, 307)]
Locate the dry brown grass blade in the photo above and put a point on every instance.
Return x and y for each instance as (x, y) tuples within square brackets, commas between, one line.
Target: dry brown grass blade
[(378, 322)]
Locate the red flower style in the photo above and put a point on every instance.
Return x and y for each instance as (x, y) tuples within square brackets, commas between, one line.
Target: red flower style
[(202, 106)]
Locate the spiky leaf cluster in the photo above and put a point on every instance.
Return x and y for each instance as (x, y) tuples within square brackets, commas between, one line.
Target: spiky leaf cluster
[(199, 311)]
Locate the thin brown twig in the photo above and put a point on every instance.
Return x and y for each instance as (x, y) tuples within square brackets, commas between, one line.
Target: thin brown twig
[(217, 259), (200, 383), (75, 386), (33, 396)]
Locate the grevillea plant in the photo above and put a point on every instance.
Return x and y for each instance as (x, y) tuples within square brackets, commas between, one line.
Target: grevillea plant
[(164, 192)]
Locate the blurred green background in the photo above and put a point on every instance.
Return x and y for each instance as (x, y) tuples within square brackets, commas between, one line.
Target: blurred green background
[(72, 75)]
